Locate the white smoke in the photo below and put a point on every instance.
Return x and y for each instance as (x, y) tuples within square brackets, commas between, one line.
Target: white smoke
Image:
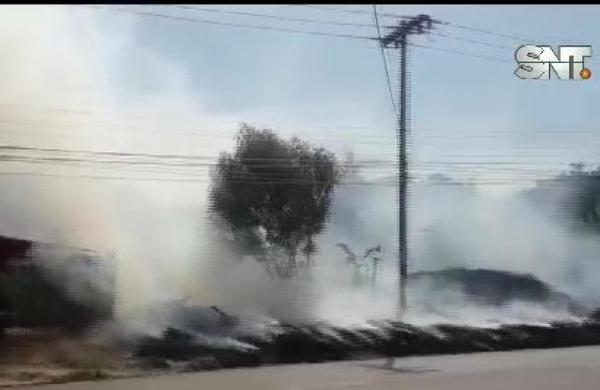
[(60, 78), (59, 90)]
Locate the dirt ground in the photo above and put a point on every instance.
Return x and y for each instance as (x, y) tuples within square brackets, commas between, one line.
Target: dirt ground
[(548, 369), (30, 356)]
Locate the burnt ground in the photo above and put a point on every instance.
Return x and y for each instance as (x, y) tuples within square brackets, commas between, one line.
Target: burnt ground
[(45, 356), (320, 343)]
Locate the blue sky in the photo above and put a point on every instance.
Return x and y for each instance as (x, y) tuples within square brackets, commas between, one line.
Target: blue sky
[(463, 108)]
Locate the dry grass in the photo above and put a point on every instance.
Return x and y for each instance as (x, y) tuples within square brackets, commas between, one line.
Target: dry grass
[(54, 348), (51, 356)]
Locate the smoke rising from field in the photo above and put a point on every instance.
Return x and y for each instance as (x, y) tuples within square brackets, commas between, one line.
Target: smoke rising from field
[(451, 226), (59, 91), (62, 89)]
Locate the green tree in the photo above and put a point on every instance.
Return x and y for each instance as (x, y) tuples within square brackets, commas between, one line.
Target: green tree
[(274, 196)]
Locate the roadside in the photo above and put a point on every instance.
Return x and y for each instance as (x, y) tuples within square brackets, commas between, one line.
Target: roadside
[(54, 356), (34, 356), (550, 369)]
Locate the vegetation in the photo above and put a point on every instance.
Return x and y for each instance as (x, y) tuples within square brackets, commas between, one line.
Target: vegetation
[(273, 196)]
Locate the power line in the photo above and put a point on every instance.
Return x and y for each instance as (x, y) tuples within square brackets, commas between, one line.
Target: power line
[(278, 169), (487, 32), (278, 29), (24, 148), (547, 181), (275, 169), (82, 160), (211, 158), (275, 17), (464, 53), (247, 179), (459, 52), (349, 11), (473, 41), (445, 23), (39, 174), (102, 153), (385, 64), (286, 30), (356, 139), (306, 20), (468, 168), (237, 25)]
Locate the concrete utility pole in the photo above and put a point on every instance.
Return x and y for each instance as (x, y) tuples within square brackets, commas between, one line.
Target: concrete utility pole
[(397, 39)]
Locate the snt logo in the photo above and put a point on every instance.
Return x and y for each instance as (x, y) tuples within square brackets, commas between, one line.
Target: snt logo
[(536, 62)]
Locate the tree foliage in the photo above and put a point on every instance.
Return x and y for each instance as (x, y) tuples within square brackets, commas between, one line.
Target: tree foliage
[(274, 196)]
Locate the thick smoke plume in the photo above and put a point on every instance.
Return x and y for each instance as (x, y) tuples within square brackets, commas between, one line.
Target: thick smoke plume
[(62, 88)]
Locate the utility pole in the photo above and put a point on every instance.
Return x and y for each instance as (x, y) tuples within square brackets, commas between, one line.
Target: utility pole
[(398, 39)]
